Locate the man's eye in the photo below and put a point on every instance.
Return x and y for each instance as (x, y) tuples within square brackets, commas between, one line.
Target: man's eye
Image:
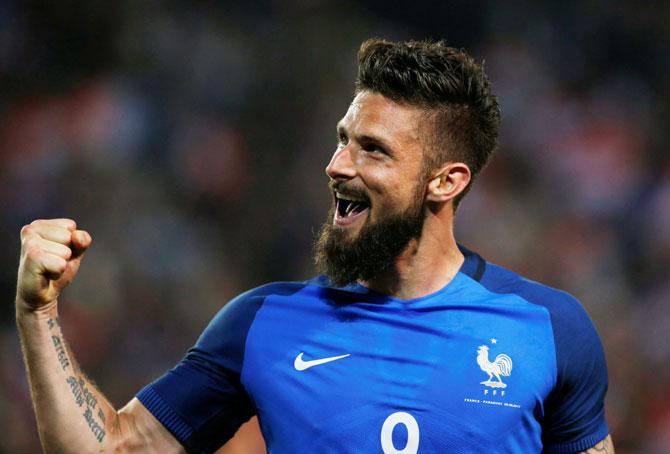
[(372, 148), (342, 139)]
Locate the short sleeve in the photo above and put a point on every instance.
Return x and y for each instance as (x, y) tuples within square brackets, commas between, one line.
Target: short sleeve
[(574, 416), (201, 401)]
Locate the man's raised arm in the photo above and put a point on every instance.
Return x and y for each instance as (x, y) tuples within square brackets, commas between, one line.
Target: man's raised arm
[(72, 414)]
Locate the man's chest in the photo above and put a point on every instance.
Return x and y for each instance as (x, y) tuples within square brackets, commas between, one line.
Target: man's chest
[(363, 378)]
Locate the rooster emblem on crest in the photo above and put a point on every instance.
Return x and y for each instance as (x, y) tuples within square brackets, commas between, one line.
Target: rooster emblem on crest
[(501, 366)]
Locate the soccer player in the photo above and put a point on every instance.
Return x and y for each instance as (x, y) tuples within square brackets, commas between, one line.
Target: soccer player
[(407, 342)]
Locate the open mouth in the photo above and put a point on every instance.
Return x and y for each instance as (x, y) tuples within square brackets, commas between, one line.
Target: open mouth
[(349, 208)]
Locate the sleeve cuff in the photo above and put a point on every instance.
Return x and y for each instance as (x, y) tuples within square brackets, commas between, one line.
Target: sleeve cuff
[(580, 445), (163, 413)]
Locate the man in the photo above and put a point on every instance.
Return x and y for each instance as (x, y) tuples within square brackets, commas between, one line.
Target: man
[(408, 344)]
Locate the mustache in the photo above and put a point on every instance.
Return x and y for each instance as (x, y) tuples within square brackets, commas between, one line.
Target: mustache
[(348, 189)]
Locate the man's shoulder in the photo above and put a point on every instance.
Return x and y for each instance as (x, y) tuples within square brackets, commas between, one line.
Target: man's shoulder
[(286, 288), (561, 305), (272, 288), (245, 305), (228, 330), (567, 313), (499, 279)]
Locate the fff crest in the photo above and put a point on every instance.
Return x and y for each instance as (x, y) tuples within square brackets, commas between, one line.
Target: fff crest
[(501, 366)]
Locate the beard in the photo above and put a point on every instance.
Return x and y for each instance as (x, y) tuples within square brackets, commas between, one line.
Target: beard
[(373, 251)]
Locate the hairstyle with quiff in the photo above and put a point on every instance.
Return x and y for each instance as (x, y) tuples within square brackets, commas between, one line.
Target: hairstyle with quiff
[(449, 85)]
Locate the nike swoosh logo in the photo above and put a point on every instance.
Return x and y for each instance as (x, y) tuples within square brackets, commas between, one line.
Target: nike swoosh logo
[(300, 364)]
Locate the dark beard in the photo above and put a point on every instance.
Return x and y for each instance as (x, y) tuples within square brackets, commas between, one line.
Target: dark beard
[(373, 252)]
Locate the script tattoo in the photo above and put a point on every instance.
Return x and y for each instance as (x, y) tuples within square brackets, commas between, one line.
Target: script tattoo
[(76, 391), (81, 393), (97, 430), (89, 397), (84, 397), (60, 350), (58, 343)]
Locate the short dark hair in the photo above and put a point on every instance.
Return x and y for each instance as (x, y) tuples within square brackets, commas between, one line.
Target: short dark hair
[(446, 82)]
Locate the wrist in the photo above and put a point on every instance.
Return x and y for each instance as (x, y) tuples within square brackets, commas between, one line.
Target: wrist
[(41, 312)]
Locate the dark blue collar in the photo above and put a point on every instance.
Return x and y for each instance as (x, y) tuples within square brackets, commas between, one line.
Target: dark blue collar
[(474, 265)]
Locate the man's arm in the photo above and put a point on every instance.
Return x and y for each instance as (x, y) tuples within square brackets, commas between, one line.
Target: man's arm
[(72, 414), (605, 446)]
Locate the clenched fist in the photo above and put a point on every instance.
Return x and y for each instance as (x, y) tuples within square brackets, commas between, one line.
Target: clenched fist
[(51, 251)]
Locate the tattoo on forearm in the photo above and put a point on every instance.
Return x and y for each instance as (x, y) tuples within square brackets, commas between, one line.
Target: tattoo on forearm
[(81, 393), (60, 350), (58, 343), (83, 396), (89, 397), (53, 322), (76, 391), (97, 430)]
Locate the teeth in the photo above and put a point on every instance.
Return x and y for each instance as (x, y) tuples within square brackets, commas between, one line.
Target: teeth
[(349, 197), (349, 208)]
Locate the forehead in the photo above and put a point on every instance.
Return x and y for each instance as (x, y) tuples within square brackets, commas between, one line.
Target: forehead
[(372, 114)]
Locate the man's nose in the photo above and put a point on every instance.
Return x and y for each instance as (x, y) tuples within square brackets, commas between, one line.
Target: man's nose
[(341, 165)]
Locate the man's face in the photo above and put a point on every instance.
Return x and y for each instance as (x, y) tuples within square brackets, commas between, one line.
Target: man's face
[(378, 189)]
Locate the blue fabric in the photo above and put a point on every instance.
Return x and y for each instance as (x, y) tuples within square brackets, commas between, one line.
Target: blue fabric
[(491, 362), (201, 401), (575, 409)]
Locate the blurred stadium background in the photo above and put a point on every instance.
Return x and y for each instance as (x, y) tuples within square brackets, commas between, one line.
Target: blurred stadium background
[(190, 139)]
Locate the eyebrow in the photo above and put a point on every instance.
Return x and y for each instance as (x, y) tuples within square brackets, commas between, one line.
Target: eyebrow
[(367, 138)]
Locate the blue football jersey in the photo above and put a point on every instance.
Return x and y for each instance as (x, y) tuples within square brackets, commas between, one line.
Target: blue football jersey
[(492, 362)]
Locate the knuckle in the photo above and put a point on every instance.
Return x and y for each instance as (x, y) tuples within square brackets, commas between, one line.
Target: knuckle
[(30, 243), (33, 252), (29, 240), (60, 264), (26, 229)]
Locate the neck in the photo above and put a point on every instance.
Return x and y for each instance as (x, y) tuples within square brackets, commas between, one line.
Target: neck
[(426, 265)]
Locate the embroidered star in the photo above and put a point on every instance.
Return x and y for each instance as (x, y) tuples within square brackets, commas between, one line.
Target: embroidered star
[(494, 340)]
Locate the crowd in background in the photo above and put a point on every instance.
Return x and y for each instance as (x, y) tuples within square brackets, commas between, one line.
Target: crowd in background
[(190, 139)]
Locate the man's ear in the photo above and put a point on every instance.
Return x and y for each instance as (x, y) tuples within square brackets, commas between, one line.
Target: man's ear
[(448, 181)]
